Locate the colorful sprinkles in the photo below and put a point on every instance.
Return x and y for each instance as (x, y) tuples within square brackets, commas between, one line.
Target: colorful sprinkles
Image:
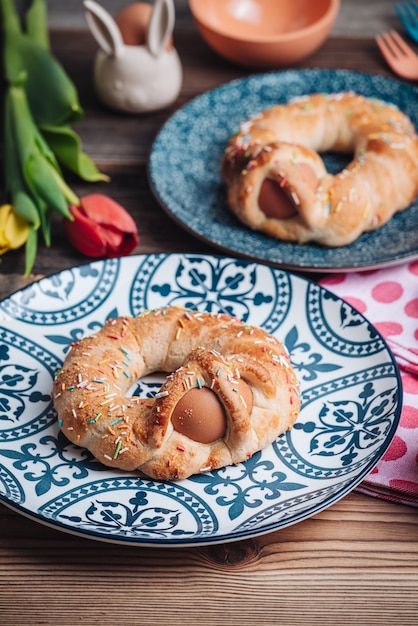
[(101, 402), (373, 126)]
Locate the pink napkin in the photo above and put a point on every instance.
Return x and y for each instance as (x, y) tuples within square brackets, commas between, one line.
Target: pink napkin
[(388, 298)]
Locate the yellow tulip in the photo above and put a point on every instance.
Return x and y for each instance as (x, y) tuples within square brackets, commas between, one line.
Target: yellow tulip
[(14, 230)]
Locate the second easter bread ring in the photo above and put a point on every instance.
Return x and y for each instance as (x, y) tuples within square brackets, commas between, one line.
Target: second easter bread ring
[(277, 182)]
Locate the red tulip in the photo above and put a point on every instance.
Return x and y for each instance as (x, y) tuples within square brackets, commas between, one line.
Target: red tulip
[(101, 227)]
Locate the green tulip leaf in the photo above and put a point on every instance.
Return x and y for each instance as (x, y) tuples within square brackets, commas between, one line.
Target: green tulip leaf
[(52, 95), (42, 179), (25, 207), (36, 23), (67, 146)]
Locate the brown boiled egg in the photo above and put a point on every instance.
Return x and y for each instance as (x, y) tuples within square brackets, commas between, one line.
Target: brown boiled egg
[(274, 200), (200, 415), (133, 22)]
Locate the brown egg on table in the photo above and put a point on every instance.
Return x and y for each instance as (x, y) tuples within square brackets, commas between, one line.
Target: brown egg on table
[(136, 69)]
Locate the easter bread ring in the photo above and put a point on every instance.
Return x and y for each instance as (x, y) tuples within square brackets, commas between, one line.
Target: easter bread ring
[(231, 390), (278, 184)]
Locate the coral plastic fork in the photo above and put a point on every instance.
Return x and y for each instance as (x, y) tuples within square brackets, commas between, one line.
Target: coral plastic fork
[(408, 14), (399, 56)]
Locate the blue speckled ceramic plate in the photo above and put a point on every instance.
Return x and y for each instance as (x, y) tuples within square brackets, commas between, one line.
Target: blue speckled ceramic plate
[(184, 170), (350, 394)]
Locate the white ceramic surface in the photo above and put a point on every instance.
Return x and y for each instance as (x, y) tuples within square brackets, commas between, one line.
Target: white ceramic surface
[(351, 402), (135, 78)]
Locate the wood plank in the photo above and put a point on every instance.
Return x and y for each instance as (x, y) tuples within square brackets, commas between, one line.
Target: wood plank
[(325, 571)]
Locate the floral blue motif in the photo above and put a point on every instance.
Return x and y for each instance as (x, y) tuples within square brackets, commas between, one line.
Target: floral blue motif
[(16, 388), (253, 293), (308, 364), (10, 486), (346, 427), (265, 484), (52, 464), (139, 517), (75, 334), (62, 299), (213, 288), (130, 507), (333, 323)]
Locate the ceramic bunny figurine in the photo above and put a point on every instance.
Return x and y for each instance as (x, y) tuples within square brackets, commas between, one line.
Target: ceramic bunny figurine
[(135, 78)]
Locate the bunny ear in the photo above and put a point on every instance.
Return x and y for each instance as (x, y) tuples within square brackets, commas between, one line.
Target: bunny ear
[(161, 26), (103, 28)]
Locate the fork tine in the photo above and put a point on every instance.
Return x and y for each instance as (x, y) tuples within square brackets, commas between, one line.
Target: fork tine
[(401, 43), (388, 46), (385, 48), (398, 55)]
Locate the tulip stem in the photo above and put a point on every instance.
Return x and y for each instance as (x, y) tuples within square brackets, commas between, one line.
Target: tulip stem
[(35, 21), (31, 248)]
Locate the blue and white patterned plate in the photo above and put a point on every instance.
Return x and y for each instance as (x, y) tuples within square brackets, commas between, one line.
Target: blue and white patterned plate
[(350, 392), (184, 170)]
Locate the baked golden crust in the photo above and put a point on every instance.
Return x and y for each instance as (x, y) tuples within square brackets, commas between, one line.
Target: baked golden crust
[(281, 145), (247, 369)]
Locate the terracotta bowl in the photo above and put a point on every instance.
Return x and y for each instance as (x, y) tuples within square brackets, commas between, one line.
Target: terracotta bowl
[(264, 33)]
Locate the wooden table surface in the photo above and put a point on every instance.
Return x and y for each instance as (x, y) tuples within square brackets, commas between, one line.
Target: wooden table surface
[(354, 563)]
